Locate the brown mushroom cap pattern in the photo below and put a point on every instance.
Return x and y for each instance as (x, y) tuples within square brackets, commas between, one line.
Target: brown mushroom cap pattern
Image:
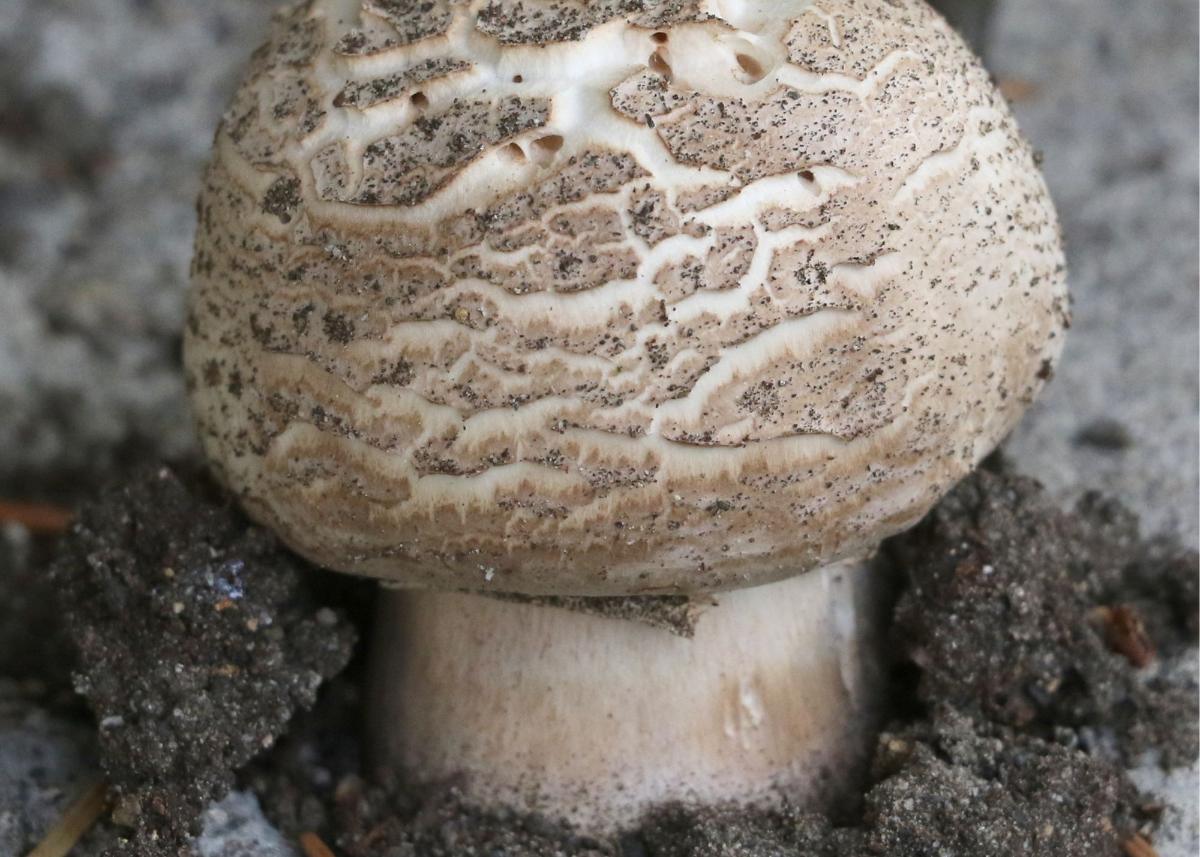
[(616, 296)]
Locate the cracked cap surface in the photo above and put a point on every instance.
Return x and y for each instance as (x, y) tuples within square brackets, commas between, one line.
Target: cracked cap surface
[(613, 297)]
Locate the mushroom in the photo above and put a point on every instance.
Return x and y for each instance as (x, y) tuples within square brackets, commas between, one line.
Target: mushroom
[(625, 299)]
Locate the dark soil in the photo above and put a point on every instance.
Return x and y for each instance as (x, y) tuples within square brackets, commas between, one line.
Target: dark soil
[(196, 646), (34, 646), (1023, 615), (1031, 646), (942, 785)]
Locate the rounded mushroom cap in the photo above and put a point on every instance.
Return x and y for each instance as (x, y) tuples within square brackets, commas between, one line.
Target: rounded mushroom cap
[(613, 297)]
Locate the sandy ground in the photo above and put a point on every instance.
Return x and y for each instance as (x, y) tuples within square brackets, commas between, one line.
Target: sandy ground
[(106, 114), (1111, 100)]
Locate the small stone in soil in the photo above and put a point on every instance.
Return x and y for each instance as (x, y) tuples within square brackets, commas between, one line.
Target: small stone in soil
[(1105, 434)]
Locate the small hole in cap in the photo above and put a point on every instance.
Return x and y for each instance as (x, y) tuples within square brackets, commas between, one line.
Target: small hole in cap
[(659, 38), (752, 67), (544, 148), (419, 100), (660, 65)]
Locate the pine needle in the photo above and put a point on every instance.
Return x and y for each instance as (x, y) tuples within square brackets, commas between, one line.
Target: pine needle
[(41, 519), (1137, 846), (313, 846), (75, 822)]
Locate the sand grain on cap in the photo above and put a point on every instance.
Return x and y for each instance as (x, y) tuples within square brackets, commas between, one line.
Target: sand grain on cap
[(615, 297)]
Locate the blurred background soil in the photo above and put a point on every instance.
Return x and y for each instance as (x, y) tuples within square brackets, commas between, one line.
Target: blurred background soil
[(107, 109)]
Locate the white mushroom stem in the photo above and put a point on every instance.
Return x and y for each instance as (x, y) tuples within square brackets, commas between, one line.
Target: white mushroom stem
[(594, 720)]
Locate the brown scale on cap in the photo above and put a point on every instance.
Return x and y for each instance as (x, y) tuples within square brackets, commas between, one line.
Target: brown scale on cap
[(535, 287)]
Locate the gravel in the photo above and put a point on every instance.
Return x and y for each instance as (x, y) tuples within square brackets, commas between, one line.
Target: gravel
[(1113, 107), (235, 827), (107, 111)]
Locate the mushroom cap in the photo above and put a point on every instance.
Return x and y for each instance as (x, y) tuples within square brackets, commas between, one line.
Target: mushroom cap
[(613, 297)]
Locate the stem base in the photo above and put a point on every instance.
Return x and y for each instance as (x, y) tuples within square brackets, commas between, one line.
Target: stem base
[(595, 720)]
